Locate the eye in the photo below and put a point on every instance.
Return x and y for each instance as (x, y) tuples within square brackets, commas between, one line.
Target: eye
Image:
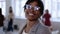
[(36, 8), (28, 7)]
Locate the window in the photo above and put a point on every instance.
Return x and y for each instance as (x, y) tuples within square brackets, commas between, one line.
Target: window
[(18, 8), (54, 8), (58, 9), (3, 6)]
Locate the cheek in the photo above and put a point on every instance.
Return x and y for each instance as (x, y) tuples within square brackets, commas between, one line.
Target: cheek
[(38, 14), (26, 12)]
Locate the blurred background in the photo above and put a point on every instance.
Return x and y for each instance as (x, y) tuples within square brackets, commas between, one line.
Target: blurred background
[(18, 10)]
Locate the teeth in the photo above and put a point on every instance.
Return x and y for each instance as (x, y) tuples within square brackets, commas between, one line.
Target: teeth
[(31, 14)]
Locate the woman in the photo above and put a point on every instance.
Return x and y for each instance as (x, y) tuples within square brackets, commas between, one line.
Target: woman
[(1, 21), (33, 11), (10, 16), (46, 19), (1, 18)]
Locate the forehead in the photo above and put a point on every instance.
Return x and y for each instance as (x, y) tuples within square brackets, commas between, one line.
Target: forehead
[(34, 3)]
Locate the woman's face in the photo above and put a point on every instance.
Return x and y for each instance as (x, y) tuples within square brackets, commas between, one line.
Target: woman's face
[(32, 11)]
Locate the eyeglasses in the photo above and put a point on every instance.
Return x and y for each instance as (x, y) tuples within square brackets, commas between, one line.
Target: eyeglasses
[(36, 8)]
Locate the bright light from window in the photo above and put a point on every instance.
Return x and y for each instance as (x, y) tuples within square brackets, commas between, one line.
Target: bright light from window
[(3, 6), (52, 5)]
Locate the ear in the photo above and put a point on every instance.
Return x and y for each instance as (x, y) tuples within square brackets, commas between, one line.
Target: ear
[(24, 10)]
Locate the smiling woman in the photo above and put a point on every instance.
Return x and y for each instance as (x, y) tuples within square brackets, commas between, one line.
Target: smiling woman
[(33, 11)]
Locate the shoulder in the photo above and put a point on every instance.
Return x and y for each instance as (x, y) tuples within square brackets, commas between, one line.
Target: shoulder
[(43, 29), (22, 28), (41, 26), (2, 16)]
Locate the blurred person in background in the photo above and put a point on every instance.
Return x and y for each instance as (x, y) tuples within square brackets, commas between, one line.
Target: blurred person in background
[(10, 17), (1, 21), (46, 19)]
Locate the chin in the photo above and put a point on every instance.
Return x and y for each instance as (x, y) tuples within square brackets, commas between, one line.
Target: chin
[(32, 19)]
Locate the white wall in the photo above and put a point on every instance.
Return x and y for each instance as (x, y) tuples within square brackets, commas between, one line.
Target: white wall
[(56, 25), (8, 4)]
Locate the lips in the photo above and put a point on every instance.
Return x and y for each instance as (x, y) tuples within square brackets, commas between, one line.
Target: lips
[(31, 14)]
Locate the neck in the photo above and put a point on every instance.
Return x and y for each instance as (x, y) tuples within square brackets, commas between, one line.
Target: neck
[(31, 23)]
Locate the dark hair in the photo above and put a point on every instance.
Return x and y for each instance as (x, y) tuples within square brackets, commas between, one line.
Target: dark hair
[(10, 9), (40, 4), (46, 10), (0, 11)]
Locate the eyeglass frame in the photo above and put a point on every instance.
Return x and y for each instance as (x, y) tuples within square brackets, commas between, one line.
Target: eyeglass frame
[(36, 8)]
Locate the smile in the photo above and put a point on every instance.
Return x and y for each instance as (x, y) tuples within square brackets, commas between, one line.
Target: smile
[(31, 14)]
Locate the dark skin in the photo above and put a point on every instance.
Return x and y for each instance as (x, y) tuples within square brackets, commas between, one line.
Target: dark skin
[(32, 16)]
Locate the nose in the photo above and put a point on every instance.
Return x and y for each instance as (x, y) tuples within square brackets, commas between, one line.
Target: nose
[(32, 9)]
